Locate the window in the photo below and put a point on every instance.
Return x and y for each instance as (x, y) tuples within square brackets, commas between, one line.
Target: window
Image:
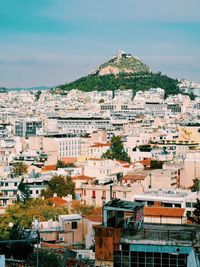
[(188, 204), (74, 225), (93, 194)]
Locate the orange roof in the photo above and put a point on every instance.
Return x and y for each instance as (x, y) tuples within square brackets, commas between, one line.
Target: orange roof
[(49, 168), (100, 145), (48, 245), (163, 211), (145, 162), (121, 161), (82, 177), (94, 218), (67, 160), (58, 201), (135, 177), (97, 159)]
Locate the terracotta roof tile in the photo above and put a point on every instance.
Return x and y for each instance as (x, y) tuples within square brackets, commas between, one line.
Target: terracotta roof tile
[(58, 201), (49, 168), (82, 177), (163, 211), (100, 145), (134, 177)]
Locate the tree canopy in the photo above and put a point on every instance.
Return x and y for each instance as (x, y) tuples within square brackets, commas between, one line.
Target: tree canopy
[(21, 216), (24, 191), (196, 185), (61, 185), (19, 169), (135, 81), (195, 217), (116, 150)]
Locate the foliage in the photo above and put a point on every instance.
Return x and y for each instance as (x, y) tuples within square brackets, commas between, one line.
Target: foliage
[(196, 185), (82, 209), (47, 258), (24, 189), (143, 148), (19, 169), (156, 164), (61, 164), (195, 218), (22, 214), (135, 81), (37, 95), (116, 150), (17, 250), (61, 185)]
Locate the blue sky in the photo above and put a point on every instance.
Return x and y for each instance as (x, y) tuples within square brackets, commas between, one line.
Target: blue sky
[(50, 42)]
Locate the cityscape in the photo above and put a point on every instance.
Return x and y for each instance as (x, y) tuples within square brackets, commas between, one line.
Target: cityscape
[(102, 169)]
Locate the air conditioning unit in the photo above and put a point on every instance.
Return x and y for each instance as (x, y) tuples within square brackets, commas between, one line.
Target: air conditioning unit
[(61, 239)]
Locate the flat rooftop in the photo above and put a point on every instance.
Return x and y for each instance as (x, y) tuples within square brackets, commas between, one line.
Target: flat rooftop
[(162, 234)]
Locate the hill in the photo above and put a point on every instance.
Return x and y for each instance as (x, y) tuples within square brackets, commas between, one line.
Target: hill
[(123, 71), (122, 63)]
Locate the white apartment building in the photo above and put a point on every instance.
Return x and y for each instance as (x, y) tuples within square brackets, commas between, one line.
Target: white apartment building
[(98, 149), (79, 124), (102, 169), (57, 146), (169, 198)]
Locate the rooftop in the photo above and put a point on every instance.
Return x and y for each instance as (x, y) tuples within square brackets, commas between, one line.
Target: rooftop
[(121, 204)]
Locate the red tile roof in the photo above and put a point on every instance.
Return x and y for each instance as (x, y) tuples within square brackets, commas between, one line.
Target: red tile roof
[(57, 201), (100, 145), (135, 177), (163, 211), (49, 168), (51, 246), (94, 218)]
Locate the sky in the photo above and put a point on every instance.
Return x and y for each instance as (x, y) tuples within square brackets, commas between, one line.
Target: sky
[(51, 42)]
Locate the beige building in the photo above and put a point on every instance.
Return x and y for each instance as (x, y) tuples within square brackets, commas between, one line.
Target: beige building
[(69, 229), (191, 168), (99, 194), (102, 169)]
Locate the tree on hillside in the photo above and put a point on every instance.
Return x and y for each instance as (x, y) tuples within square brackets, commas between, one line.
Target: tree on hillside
[(19, 169), (196, 185), (61, 185), (116, 150), (21, 216), (195, 217), (24, 191), (156, 164), (37, 95), (82, 209)]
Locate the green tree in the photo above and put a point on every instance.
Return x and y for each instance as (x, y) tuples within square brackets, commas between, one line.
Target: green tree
[(48, 258), (37, 95), (195, 218), (156, 164), (116, 150), (196, 185), (61, 185), (22, 214), (24, 191), (19, 169)]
